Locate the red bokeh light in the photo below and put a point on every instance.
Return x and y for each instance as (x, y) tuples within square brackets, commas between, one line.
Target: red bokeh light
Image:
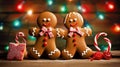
[(116, 28), (110, 6), (85, 8)]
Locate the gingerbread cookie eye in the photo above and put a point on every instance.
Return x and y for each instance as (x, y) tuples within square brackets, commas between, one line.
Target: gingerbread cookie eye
[(44, 20), (71, 20), (48, 20), (75, 19)]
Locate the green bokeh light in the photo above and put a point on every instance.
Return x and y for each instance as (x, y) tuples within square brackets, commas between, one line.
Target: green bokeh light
[(17, 23), (63, 8), (101, 16), (1, 26), (49, 2), (6, 48)]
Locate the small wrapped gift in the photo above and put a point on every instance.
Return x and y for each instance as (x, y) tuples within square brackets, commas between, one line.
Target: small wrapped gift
[(17, 50)]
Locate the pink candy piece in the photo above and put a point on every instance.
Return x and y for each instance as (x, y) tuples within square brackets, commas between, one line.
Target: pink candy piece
[(17, 50)]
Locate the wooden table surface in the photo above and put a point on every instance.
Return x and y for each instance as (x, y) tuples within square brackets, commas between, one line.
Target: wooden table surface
[(114, 62)]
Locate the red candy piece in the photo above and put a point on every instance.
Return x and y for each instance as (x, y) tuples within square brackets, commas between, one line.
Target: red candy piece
[(74, 34), (97, 56), (45, 39), (45, 44), (75, 44), (46, 34), (74, 40), (107, 55)]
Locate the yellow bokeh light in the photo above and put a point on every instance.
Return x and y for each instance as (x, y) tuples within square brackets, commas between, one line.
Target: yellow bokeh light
[(30, 12)]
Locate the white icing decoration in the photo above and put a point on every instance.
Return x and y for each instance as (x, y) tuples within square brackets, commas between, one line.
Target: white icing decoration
[(36, 52), (85, 52), (70, 55), (75, 13), (33, 33), (49, 19), (86, 30), (58, 33), (53, 52), (62, 37)]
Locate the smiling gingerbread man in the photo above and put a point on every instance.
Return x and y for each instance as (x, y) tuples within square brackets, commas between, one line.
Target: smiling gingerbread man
[(75, 36), (46, 35)]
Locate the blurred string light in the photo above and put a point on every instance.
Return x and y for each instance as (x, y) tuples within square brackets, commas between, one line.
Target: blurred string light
[(17, 23), (69, 0), (1, 26), (79, 7), (63, 8), (100, 15), (110, 5), (83, 8), (116, 28), (49, 2), (31, 38), (20, 5), (30, 12), (6, 48)]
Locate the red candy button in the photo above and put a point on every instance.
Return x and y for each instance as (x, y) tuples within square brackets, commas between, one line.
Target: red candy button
[(74, 34), (45, 44), (74, 40), (75, 44), (45, 39), (46, 34)]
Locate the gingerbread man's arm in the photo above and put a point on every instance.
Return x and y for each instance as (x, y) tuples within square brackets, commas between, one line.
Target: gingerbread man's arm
[(34, 31), (87, 31), (61, 33)]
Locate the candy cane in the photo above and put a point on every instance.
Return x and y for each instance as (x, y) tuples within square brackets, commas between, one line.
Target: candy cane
[(109, 44), (99, 55), (20, 34), (96, 38)]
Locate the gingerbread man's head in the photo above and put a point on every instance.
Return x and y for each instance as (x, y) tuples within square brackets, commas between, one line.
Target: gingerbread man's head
[(73, 19), (47, 19)]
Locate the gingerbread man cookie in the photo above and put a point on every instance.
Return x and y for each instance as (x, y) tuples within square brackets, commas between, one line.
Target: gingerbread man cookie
[(75, 36), (46, 35)]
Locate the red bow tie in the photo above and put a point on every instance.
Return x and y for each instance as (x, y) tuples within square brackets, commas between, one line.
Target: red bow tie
[(46, 30), (75, 30)]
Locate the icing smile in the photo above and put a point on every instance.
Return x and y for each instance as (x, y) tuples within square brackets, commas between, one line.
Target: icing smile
[(73, 24), (46, 24)]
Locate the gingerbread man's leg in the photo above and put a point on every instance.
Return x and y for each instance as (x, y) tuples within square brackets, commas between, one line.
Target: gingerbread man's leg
[(69, 52), (37, 50), (52, 51), (84, 51)]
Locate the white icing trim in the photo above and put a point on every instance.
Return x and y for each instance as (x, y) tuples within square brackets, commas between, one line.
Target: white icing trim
[(58, 33), (66, 18), (53, 52), (85, 52), (75, 13), (33, 33), (66, 51), (86, 30), (36, 52)]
